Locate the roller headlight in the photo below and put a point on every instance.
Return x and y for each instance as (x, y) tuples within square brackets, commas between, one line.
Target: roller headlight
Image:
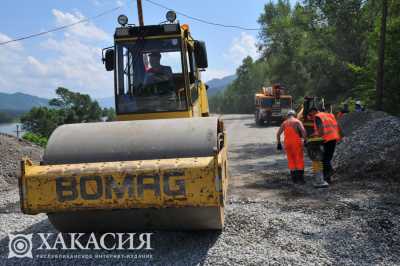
[(171, 16), (122, 20)]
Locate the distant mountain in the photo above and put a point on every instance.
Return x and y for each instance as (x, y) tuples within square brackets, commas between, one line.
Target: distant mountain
[(20, 102), (218, 85)]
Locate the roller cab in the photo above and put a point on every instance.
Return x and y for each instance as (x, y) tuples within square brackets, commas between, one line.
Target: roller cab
[(157, 72)]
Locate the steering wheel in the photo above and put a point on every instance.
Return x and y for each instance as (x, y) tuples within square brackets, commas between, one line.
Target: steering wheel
[(153, 78)]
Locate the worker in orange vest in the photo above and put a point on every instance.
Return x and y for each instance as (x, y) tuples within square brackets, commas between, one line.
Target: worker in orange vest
[(294, 132), (326, 126), (342, 112)]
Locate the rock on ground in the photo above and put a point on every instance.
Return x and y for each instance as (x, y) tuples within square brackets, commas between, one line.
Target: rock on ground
[(355, 120), (371, 149), (12, 151)]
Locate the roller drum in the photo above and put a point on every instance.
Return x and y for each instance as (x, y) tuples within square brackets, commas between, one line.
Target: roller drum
[(135, 140), (132, 140)]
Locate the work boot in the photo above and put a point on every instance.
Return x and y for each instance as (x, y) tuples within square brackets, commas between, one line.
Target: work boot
[(300, 177), (327, 175), (327, 170), (319, 181), (293, 176)]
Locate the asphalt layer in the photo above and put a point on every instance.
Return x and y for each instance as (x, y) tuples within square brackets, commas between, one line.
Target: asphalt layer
[(268, 219)]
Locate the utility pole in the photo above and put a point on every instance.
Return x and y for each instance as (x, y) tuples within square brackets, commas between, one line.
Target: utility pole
[(380, 71), (140, 12)]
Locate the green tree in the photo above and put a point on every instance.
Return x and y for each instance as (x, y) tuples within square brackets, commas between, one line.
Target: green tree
[(42, 120), (109, 114), (324, 48), (34, 138), (239, 96), (69, 107), (76, 107)]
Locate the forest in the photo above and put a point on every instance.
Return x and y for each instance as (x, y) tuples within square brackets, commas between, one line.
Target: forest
[(342, 50)]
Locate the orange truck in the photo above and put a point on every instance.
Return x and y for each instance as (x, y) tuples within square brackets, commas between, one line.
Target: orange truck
[(272, 104)]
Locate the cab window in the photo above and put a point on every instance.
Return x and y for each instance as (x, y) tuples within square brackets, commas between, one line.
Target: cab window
[(191, 63), (149, 76)]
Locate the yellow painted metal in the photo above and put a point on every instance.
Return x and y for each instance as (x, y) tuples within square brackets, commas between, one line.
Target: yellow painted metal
[(316, 167), (159, 115), (315, 139), (165, 183), (203, 99), (186, 182)]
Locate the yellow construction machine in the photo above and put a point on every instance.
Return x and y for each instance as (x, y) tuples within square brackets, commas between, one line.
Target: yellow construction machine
[(272, 104), (162, 165)]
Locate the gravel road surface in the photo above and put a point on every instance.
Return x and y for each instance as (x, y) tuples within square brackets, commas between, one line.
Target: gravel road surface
[(268, 220)]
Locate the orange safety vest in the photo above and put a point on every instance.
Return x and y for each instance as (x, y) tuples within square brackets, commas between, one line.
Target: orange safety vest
[(290, 131), (293, 145), (329, 125)]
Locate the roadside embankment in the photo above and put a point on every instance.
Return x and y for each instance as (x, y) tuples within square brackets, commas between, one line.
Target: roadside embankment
[(12, 151), (371, 146)]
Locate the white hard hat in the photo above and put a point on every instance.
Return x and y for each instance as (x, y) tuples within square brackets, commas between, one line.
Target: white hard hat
[(291, 112), (358, 102)]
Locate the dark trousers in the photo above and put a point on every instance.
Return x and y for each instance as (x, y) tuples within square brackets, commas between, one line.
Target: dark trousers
[(329, 150)]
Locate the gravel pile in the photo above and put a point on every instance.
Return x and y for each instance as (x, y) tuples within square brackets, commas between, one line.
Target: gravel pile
[(355, 120), (371, 149), (12, 151)]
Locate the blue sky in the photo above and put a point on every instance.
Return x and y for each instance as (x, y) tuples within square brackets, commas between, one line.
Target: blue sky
[(71, 58)]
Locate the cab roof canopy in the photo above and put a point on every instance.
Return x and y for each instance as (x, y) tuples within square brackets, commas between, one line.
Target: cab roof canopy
[(145, 31)]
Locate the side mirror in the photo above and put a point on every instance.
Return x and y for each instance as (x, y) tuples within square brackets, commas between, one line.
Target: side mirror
[(200, 54), (109, 60)]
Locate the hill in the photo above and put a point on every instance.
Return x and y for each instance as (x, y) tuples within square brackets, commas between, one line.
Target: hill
[(18, 102), (217, 85)]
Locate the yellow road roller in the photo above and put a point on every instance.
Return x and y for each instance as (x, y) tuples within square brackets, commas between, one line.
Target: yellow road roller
[(161, 166)]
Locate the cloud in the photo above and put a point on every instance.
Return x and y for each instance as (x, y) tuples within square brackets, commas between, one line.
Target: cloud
[(98, 3), (36, 66), (79, 67), (241, 47), (72, 60), (13, 45), (85, 30)]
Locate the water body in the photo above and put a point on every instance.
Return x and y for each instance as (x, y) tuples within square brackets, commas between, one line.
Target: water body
[(10, 128)]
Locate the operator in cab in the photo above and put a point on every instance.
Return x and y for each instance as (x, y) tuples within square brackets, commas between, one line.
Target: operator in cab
[(156, 67), (159, 75)]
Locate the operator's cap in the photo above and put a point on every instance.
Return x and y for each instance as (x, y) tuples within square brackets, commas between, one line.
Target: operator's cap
[(358, 102), (291, 112)]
